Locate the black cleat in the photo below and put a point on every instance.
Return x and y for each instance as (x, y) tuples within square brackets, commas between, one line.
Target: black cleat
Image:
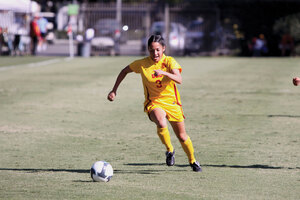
[(196, 167), (170, 160)]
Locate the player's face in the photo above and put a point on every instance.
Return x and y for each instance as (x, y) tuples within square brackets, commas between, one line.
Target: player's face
[(156, 51)]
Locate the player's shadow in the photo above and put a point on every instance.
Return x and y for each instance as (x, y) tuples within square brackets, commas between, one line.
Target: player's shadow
[(288, 116), (146, 171), (82, 171), (30, 170), (145, 164), (256, 166)]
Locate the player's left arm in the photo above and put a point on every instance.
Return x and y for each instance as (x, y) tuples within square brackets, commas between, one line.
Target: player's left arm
[(174, 75)]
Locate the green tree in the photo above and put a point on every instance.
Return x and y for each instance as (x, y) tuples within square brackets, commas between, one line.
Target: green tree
[(289, 24)]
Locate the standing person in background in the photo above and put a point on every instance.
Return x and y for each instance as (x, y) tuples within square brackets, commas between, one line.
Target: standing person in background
[(8, 30), (9, 39), (42, 23), (35, 35), (160, 74), (287, 45), (1, 40)]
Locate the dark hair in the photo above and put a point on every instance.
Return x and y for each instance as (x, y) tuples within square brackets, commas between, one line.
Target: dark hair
[(156, 38)]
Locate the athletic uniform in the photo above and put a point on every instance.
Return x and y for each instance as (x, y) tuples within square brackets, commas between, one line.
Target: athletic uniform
[(160, 91)]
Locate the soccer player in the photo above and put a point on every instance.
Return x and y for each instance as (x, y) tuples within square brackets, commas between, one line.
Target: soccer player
[(296, 81), (160, 73)]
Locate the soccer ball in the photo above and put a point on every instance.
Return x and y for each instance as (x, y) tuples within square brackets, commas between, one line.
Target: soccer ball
[(101, 171)]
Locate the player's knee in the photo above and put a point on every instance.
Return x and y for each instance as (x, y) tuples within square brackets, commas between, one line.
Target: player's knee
[(182, 137), (161, 123)]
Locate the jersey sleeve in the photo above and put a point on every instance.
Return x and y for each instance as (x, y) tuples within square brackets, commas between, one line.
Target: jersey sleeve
[(173, 64), (135, 66)]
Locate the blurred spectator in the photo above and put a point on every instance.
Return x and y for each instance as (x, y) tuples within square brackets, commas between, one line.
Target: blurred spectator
[(251, 45), (260, 46), (35, 34), (16, 43), (21, 33), (264, 50), (8, 40), (89, 34), (42, 23), (7, 24), (287, 45), (1, 40)]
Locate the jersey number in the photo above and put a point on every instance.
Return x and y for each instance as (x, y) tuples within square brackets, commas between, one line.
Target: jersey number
[(158, 84)]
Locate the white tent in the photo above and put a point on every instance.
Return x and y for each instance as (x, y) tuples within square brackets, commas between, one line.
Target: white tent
[(23, 6)]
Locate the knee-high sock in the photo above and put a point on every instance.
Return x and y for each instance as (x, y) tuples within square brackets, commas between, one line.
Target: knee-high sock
[(188, 148), (164, 136)]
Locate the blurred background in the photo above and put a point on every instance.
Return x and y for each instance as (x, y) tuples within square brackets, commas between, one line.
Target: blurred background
[(122, 27)]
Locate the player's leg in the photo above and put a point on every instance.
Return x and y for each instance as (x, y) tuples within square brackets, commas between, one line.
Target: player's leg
[(158, 116), (186, 143)]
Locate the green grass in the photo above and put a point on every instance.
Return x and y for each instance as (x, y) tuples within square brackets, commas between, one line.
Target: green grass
[(15, 61), (243, 116)]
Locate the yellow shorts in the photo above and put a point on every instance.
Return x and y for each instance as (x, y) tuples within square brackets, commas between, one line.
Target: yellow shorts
[(173, 110)]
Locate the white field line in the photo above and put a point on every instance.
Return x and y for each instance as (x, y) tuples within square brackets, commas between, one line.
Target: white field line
[(35, 64)]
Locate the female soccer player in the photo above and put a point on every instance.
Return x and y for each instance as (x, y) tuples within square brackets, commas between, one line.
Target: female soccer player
[(160, 74)]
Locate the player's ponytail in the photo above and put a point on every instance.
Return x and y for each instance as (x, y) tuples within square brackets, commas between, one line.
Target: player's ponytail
[(156, 38)]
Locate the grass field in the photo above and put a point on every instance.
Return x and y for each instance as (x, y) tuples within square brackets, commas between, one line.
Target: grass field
[(243, 115)]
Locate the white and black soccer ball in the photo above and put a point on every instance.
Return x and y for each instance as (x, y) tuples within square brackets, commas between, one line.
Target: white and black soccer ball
[(101, 171)]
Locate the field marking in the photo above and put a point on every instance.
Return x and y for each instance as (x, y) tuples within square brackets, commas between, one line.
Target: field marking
[(35, 64)]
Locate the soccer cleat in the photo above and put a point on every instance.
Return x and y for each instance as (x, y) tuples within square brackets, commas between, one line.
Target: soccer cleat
[(196, 167), (170, 158)]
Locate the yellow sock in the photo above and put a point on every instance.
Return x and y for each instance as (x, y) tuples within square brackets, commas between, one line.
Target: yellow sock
[(188, 148), (164, 136)]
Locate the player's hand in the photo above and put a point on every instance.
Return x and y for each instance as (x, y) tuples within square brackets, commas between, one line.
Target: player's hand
[(296, 81), (158, 72), (111, 96)]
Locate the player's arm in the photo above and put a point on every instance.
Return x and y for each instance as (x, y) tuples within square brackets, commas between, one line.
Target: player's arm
[(175, 75), (112, 94)]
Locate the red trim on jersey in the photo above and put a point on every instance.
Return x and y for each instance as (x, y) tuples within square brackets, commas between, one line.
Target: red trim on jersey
[(182, 112), (149, 101), (175, 91)]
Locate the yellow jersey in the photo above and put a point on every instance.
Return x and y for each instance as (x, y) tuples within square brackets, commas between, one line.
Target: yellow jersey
[(157, 88)]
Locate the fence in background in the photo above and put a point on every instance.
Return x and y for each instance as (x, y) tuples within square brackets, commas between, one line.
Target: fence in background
[(137, 19)]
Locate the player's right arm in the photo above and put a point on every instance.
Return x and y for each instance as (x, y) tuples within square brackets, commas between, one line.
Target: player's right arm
[(112, 94)]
